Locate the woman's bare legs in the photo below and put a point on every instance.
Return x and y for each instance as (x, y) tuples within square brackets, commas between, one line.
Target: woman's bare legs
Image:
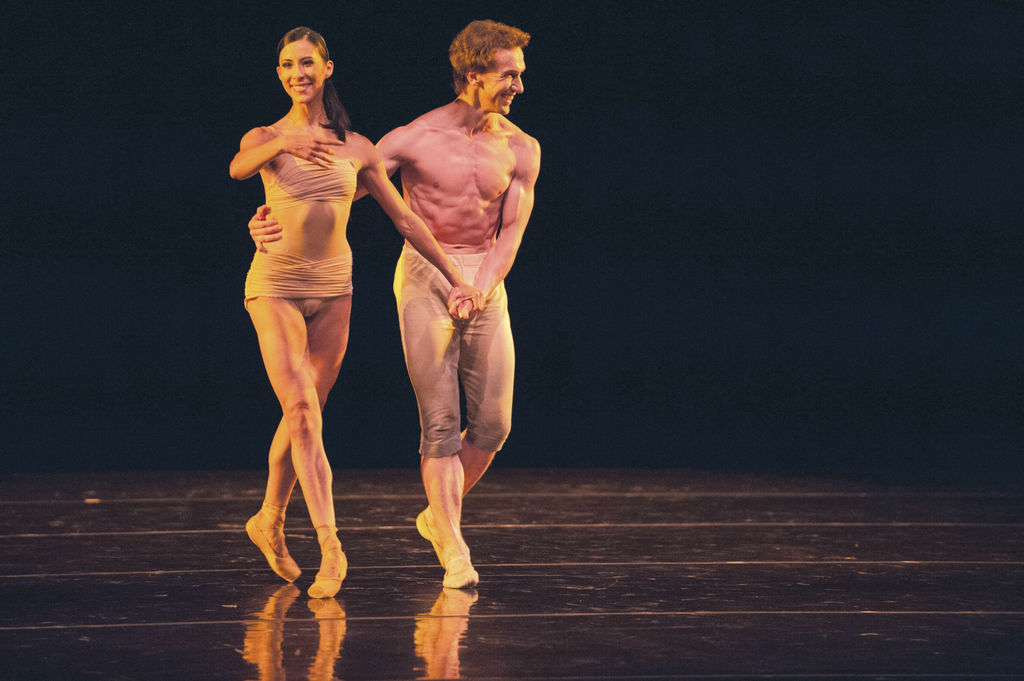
[(301, 356), (325, 360)]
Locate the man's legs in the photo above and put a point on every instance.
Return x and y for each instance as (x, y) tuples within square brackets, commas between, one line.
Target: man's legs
[(475, 463), (486, 369), (446, 481), (430, 339)]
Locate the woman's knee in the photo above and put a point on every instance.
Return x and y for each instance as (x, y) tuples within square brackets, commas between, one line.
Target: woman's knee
[(303, 419)]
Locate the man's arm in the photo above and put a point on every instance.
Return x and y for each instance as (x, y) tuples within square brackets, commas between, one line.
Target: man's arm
[(411, 226), (515, 213)]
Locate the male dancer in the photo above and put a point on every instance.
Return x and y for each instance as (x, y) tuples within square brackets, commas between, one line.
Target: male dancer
[(469, 173)]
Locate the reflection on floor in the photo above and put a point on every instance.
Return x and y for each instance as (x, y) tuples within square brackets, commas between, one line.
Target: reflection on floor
[(439, 632), (265, 637), (599, 574)]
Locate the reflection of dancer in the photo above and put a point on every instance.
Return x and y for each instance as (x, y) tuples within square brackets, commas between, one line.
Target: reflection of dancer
[(298, 290), (331, 625), (265, 637), (440, 632)]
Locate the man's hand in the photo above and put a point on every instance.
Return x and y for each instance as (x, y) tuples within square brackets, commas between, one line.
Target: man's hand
[(463, 300), (263, 228)]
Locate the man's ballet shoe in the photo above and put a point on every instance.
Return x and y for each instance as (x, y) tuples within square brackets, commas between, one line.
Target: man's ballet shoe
[(332, 573), (427, 532), (459, 573), (277, 556)]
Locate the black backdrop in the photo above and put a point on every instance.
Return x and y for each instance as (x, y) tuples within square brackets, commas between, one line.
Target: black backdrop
[(771, 235)]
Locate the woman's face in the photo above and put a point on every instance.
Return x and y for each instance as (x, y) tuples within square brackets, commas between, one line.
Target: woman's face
[(303, 71)]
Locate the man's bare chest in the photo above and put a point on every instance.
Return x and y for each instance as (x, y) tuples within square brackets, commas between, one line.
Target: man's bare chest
[(481, 166)]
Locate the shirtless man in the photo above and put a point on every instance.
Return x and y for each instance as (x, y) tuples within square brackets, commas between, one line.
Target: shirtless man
[(470, 174)]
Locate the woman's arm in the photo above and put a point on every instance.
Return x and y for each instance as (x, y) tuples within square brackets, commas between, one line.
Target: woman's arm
[(260, 146)]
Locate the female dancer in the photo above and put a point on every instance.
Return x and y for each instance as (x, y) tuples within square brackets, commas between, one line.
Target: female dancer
[(299, 289)]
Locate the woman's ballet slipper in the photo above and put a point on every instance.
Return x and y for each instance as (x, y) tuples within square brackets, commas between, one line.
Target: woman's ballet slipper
[(427, 532), (332, 573), (273, 548), (459, 573)]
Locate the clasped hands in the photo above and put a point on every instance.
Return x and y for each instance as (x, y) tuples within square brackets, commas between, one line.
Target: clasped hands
[(463, 300)]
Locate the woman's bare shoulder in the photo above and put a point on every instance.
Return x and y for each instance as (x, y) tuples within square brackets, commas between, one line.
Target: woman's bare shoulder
[(258, 136)]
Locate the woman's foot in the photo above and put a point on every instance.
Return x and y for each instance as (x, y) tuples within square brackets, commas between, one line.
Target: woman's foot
[(269, 538), (333, 568)]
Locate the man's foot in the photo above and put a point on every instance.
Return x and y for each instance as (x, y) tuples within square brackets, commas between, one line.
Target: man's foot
[(426, 530), (271, 542), (459, 573), (458, 570), (333, 569)]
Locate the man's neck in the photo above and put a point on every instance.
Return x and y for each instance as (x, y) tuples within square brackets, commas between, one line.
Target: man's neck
[(468, 115)]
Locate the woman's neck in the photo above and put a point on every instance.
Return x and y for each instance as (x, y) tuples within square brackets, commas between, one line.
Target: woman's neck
[(307, 115)]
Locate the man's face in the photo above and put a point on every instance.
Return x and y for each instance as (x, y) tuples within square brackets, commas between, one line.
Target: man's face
[(501, 84)]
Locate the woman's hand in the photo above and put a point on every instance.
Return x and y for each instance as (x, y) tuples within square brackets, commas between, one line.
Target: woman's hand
[(317, 150), (263, 228)]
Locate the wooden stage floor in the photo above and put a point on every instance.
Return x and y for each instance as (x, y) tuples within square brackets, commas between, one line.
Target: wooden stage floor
[(585, 574)]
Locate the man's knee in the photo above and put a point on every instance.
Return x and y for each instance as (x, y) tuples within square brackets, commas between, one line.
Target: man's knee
[(440, 434), (488, 434)]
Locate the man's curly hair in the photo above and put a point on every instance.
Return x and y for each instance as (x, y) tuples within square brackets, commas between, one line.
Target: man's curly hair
[(474, 47)]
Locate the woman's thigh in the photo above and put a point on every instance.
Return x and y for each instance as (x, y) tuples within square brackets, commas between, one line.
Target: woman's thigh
[(327, 340), (283, 338)]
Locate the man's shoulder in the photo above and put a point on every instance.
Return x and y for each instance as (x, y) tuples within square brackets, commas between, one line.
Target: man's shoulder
[(431, 120), (434, 120), (518, 139), (417, 136), (516, 135)]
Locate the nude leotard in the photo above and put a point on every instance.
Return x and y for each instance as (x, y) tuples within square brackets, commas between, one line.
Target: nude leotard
[(305, 196)]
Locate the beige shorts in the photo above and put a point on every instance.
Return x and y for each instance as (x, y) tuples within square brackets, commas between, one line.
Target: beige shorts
[(442, 353)]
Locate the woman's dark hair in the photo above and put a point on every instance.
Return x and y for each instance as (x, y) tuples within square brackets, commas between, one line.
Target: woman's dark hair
[(337, 117)]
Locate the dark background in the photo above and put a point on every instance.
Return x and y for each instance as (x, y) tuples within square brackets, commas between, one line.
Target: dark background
[(768, 235)]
